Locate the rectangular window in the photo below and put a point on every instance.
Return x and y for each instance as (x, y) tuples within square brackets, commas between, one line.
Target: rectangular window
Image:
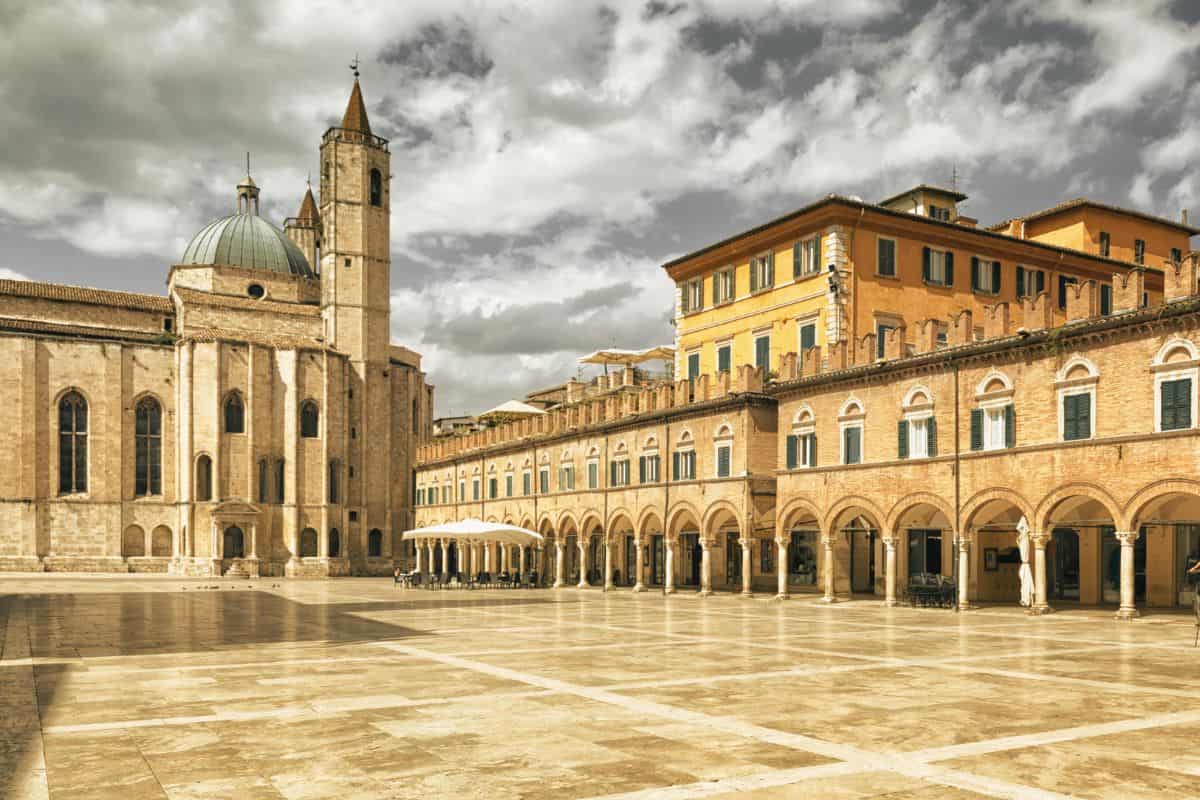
[(808, 336), (493, 488), (593, 475), (852, 445), (446, 493), (508, 485), (993, 428), (1176, 255), (810, 256), (724, 358), (985, 275), (881, 332), (462, 491), (693, 366), (937, 267), (544, 480), (1063, 282), (723, 461), (692, 296), (886, 258), (766, 563), (942, 334), (914, 438), (475, 489), (526, 483), (280, 480), (618, 473), (801, 450), (1139, 251), (684, 465), (723, 286), (1077, 417), (762, 353), (569, 477), (762, 272), (1030, 282), (1105, 299), (939, 213), (1175, 401), (1104, 243), (648, 469)]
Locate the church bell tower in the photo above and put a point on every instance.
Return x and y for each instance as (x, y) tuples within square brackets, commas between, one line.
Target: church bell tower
[(355, 295)]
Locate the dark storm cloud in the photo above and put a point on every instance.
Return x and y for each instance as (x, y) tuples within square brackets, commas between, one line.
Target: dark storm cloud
[(440, 49)]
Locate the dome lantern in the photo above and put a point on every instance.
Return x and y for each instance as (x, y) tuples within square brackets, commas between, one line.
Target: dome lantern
[(247, 192)]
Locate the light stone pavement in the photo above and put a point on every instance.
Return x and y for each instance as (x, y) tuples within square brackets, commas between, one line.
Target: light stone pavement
[(149, 687)]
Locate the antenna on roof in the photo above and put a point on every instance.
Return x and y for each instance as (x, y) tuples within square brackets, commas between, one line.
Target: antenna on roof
[(354, 66), (954, 177), (247, 162)]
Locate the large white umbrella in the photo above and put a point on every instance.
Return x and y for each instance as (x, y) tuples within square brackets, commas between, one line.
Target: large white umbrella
[(1025, 573), (476, 530)]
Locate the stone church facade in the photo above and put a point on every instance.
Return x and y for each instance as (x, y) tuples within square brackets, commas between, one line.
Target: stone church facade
[(256, 420)]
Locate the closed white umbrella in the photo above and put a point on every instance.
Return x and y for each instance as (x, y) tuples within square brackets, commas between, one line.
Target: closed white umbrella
[(1025, 573), (475, 530)]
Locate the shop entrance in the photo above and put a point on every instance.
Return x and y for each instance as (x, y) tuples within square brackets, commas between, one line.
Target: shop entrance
[(1064, 560)]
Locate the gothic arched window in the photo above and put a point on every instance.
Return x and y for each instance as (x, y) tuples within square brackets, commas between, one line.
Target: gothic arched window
[(376, 188), (333, 483), (235, 414), (375, 543), (72, 443), (147, 441), (309, 419)]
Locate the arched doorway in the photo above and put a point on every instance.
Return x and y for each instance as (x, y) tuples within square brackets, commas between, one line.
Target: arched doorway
[(335, 543), (235, 544), (595, 575), (926, 544), (726, 562), (654, 551), (1079, 525), (1168, 526), (996, 560), (308, 543), (685, 529), (620, 532), (802, 536), (857, 550), (1062, 565)]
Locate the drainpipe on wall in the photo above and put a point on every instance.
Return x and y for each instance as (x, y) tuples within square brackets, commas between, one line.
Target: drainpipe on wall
[(958, 532)]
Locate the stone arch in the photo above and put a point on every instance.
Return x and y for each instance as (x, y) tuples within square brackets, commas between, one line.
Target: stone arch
[(527, 523), (590, 520), (847, 503), (161, 542), (645, 518), (492, 519), (1170, 346), (714, 512), (1088, 490), (918, 394), (133, 542), (677, 512), (1136, 507), (618, 516), (979, 500), (308, 543), (620, 511), (567, 519), (993, 375), (852, 406), (804, 415), (1075, 361), (913, 500), (545, 521), (792, 511)]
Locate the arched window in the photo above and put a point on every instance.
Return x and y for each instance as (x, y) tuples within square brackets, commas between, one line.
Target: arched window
[(335, 543), (375, 543), (333, 483), (147, 440), (262, 480), (235, 414), (280, 475), (72, 443), (310, 419), (376, 187), (308, 543), (235, 543), (203, 479)]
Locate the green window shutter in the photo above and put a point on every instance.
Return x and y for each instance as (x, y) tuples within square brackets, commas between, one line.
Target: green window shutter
[(723, 359), (797, 260), (753, 275), (976, 428), (1183, 403), (771, 268), (1070, 418), (925, 259), (1105, 300), (902, 439), (817, 254), (691, 465), (995, 277), (675, 466), (1010, 426), (931, 436), (949, 268), (612, 473), (808, 337), (683, 298), (812, 450), (722, 462), (1083, 415), (641, 469), (716, 282), (1041, 281), (974, 273), (1020, 281), (792, 441)]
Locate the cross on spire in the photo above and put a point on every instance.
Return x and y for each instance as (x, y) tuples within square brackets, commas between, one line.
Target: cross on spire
[(354, 66)]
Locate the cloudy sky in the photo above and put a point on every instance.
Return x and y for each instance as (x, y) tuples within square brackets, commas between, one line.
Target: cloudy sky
[(549, 157)]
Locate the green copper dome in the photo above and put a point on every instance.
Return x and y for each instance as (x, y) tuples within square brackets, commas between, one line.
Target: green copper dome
[(247, 240)]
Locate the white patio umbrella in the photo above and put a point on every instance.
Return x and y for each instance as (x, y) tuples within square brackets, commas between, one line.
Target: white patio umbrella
[(1025, 573), (476, 530)]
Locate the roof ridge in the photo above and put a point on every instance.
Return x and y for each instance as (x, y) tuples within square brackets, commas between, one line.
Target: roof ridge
[(84, 294)]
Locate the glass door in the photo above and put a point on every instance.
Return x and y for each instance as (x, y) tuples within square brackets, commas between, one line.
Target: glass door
[(733, 559)]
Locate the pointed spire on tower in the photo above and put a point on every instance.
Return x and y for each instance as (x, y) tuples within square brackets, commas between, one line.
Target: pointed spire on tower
[(308, 213), (355, 118)]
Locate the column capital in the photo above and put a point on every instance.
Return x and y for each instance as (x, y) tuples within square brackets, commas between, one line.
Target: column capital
[(828, 539), (890, 541), (783, 541), (1039, 538), (964, 544), (1127, 538)]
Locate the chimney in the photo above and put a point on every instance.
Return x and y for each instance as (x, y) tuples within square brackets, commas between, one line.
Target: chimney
[(1183, 217)]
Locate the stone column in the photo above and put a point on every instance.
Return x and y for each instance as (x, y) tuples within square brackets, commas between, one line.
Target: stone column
[(323, 538), (705, 567), (827, 540), (445, 560), (419, 547), (583, 562), (487, 557), (964, 572), (1040, 606), (254, 540), (215, 551), (781, 573), (521, 561), (1128, 609), (747, 567), (638, 586), (608, 564), (669, 578), (558, 563), (889, 575), (432, 553)]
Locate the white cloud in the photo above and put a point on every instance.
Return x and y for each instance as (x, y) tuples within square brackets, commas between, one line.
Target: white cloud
[(12, 275)]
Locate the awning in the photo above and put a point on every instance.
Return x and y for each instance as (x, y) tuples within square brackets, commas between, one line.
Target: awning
[(475, 530), (620, 357), (512, 408)]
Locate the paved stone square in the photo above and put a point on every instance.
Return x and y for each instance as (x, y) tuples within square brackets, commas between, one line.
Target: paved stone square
[(151, 687)]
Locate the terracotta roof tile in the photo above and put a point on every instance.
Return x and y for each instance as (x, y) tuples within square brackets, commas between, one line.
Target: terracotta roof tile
[(246, 303), (280, 341), (29, 326), (1080, 202), (84, 294)]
